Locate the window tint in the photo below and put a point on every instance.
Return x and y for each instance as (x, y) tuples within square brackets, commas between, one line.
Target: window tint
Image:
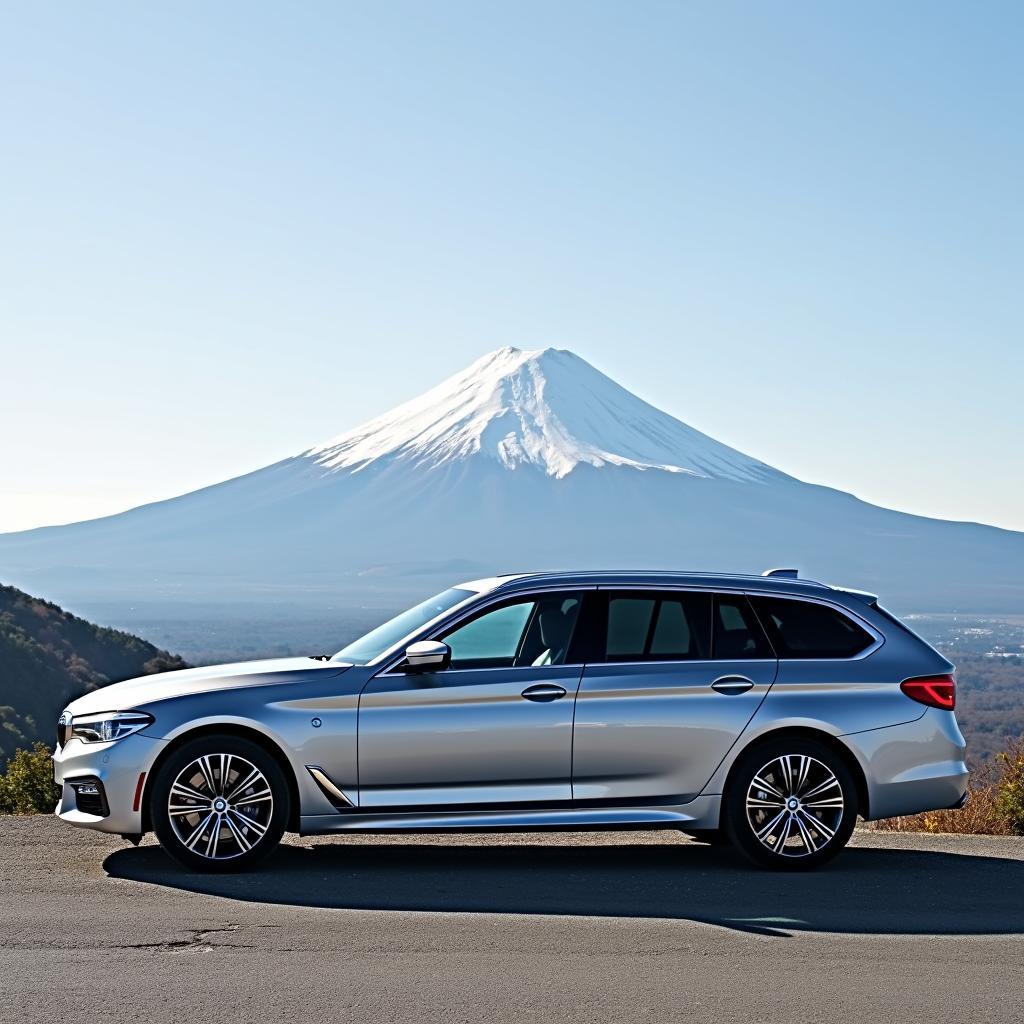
[(656, 627), (493, 637), (738, 635), (550, 630), (801, 629), (534, 631), (671, 638), (629, 622)]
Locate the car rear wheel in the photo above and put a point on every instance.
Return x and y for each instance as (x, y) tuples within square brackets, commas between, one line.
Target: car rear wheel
[(791, 804), (219, 803)]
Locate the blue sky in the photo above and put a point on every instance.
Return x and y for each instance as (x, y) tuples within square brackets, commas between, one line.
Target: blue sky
[(232, 231)]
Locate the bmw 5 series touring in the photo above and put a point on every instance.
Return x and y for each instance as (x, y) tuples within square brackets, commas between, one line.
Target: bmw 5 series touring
[(767, 711)]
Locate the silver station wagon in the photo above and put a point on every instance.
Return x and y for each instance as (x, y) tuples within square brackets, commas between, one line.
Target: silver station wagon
[(767, 711)]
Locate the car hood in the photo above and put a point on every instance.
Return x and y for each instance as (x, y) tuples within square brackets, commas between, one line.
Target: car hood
[(133, 693)]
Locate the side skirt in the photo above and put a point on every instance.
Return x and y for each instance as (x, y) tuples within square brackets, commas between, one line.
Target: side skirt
[(699, 813)]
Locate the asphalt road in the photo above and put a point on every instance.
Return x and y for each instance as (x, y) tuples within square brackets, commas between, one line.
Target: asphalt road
[(622, 927)]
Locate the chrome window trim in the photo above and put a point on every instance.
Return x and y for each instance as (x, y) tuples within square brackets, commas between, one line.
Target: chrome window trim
[(682, 661), (465, 612), (495, 668)]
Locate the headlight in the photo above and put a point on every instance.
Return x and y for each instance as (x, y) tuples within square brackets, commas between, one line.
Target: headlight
[(109, 725)]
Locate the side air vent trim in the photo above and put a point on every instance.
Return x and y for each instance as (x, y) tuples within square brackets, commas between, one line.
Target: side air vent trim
[(328, 788)]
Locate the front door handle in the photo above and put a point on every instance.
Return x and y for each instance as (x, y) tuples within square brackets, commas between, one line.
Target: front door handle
[(544, 692), (732, 684)]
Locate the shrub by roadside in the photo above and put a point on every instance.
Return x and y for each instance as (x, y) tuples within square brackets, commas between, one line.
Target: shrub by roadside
[(27, 787), (1010, 797), (996, 806)]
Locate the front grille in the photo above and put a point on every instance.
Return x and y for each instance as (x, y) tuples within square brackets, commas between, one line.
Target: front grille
[(90, 797), (63, 729)]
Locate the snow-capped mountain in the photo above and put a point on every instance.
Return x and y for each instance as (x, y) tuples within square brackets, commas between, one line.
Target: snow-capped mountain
[(525, 460), (546, 408)]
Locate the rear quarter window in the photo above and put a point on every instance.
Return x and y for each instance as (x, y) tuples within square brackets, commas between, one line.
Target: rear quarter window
[(804, 629)]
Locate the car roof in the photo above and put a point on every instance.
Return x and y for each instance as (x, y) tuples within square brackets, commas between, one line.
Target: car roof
[(778, 581)]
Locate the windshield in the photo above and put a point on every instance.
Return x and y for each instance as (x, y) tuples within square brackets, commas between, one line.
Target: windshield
[(378, 640)]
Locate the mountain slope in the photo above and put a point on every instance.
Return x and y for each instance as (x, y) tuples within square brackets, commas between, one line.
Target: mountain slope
[(525, 460), (48, 657)]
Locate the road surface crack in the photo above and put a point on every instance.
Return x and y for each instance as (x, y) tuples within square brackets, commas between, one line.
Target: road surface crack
[(198, 941)]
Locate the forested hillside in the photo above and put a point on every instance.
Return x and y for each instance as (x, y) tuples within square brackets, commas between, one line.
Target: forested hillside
[(48, 657), (989, 703)]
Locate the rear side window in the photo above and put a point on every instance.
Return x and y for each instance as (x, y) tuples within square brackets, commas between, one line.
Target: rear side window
[(656, 627), (737, 634), (803, 629)]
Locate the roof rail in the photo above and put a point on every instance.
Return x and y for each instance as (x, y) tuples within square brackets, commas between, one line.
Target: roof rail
[(789, 575)]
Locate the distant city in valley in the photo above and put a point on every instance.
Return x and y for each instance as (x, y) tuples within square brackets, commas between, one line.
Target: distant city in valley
[(966, 634)]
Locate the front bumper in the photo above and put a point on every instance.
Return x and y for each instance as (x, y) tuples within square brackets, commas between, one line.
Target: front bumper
[(913, 767), (118, 766)]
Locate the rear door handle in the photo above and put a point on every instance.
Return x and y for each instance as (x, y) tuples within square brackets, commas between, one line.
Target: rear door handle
[(543, 692), (732, 684)]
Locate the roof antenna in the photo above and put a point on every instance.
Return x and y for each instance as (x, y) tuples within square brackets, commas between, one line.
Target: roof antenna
[(788, 574)]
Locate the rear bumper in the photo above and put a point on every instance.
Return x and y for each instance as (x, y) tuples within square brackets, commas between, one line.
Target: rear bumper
[(913, 767), (118, 767)]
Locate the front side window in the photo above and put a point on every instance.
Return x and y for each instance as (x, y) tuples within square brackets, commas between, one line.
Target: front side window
[(377, 641), (805, 629), (656, 627), (532, 631)]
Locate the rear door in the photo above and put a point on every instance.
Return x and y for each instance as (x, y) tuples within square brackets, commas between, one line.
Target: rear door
[(672, 679)]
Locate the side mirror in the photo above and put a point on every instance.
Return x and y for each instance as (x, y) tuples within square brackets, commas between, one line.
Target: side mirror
[(428, 656)]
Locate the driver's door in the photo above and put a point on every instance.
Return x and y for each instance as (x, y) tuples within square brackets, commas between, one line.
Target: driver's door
[(494, 729)]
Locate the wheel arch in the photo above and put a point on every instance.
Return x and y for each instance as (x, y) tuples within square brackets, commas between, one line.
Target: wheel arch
[(225, 729), (820, 736)]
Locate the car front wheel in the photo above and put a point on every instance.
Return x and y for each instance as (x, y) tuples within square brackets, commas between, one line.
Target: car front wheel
[(219, 803), (791, 804)]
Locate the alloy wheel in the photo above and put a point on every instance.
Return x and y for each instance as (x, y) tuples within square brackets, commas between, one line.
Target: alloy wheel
[(795, 805), (220, 806)]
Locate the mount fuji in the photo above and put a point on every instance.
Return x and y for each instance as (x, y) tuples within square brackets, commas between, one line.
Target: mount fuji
[(525, 460)]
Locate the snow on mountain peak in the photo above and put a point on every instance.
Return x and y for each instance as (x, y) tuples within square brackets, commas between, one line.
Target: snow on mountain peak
[(546, 408)]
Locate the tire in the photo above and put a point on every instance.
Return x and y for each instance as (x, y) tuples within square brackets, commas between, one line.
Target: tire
[(234, 824), (800, 811)]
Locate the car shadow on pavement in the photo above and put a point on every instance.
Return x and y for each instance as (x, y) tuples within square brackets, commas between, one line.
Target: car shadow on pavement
[(863, 891)]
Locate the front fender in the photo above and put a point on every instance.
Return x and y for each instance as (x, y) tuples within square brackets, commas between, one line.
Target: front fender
[(289, 738)]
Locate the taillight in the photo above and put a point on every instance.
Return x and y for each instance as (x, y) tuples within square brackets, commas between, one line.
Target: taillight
[(934, 691)]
